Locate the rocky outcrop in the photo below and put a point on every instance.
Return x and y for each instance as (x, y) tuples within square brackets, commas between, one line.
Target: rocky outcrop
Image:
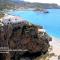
[(24, 37), (41, 10)]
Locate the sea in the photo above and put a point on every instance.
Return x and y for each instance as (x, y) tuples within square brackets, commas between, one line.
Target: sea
[(50, 21)]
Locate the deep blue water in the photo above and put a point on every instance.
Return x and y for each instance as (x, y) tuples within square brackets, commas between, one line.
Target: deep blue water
[(50, 21)]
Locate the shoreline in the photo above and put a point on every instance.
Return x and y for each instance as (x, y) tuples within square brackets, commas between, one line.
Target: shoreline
[(55, 48), (55, 43), (55, 37)]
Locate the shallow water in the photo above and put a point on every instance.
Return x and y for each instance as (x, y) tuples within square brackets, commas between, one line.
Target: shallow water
[(50, 21)]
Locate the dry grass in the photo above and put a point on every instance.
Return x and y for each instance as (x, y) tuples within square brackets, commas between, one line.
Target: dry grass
[(1, 15), (47, 56)]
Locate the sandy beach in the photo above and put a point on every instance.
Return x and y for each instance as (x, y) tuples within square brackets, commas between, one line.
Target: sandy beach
[(55, 45)]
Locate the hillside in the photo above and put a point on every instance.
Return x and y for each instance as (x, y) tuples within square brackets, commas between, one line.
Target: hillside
[(10, 4)]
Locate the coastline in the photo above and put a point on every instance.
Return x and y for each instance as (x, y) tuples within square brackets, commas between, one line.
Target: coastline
[(54, 49)]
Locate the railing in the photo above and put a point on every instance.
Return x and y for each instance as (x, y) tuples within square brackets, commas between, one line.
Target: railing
[(3, 50)]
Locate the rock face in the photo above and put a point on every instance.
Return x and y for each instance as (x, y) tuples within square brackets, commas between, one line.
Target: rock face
[(24, 37)]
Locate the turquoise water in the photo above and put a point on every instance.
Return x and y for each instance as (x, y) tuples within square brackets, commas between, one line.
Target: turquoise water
[(50, 21)]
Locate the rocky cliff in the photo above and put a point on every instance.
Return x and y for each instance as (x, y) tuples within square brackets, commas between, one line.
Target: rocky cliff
[(23, 39)]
